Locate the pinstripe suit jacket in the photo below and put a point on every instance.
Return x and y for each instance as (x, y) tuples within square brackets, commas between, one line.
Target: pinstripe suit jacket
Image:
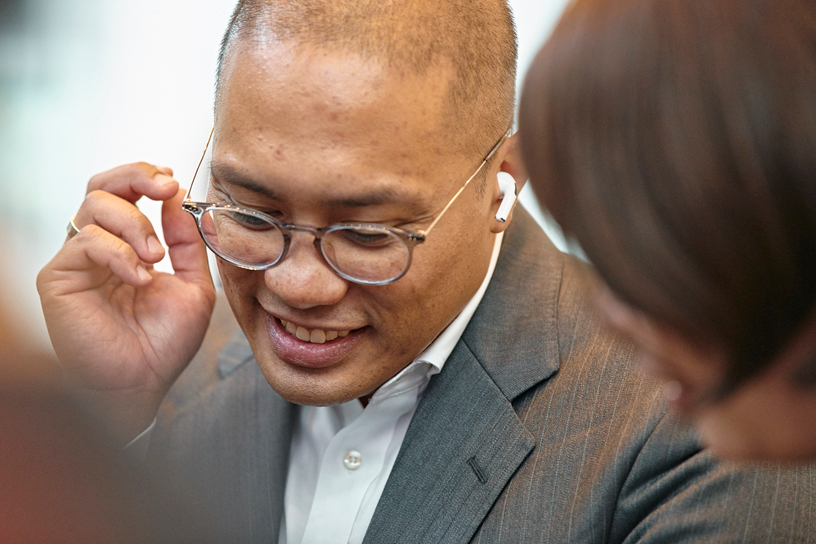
[(539, 429)]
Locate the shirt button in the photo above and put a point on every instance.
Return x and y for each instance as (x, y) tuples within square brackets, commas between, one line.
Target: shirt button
[(353, 460)]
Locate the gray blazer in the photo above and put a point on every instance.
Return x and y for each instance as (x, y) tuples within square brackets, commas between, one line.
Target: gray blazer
[(540, 428)]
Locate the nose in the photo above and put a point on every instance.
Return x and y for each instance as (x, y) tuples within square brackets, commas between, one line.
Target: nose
[(303, 279)]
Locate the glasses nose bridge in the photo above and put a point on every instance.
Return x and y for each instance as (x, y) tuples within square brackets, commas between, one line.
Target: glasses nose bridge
[(314, 231), (317, 233)]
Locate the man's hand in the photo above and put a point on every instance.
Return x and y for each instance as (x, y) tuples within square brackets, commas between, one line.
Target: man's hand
[(122, 331)]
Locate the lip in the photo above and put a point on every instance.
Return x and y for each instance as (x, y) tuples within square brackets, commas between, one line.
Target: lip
[(307, 354)]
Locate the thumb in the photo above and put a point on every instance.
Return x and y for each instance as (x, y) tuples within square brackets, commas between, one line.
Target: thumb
[(188, 254)]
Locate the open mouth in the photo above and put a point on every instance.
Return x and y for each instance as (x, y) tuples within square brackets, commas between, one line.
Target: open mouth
[(311, 348), (314, 336)]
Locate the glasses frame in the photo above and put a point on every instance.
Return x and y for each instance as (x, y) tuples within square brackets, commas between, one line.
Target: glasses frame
[(410, 239)]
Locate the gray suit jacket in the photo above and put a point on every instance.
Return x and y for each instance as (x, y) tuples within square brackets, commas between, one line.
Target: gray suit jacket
[(540, 428)]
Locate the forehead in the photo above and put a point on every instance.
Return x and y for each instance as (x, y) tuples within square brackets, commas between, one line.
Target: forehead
[(330, 109)]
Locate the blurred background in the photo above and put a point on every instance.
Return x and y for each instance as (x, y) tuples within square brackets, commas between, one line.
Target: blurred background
[(86, 85)]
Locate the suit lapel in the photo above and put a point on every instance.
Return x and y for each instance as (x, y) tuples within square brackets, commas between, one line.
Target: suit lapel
[(466, 440), (514, 333), (454, 462)]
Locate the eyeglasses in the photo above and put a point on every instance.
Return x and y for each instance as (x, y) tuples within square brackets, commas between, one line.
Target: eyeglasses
[(364, 253)]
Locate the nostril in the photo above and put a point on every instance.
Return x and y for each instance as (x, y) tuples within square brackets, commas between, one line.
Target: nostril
[(305, 281)]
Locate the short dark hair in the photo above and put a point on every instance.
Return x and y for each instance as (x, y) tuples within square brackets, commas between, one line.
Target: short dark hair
[(676, 141), (476, 37)]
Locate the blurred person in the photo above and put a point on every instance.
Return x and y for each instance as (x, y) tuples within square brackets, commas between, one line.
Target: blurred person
[(60, 481), (675, 140), (62, 478), (403, 358)]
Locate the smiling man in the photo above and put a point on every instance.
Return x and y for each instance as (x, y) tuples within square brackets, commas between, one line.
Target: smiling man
[(342, 139), (437, 372)]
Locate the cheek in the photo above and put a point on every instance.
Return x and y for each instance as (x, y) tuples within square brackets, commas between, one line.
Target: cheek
[(238, 284), (766, 419), (410, 313), (732, 434), (399, 310)]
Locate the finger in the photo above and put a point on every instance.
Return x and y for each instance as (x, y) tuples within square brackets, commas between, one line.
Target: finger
[(132, 181), (188, 254), (123, 220), (93, 249)]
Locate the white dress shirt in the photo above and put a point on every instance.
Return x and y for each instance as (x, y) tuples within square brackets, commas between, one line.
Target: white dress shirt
[(341, 456)]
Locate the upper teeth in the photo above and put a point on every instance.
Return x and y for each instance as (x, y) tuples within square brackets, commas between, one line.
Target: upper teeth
[(315, 336)]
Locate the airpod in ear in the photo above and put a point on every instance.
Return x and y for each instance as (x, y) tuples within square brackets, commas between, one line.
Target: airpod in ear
[(509, 192)]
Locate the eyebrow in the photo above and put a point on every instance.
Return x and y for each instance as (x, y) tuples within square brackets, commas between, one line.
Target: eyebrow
[(229, 174)]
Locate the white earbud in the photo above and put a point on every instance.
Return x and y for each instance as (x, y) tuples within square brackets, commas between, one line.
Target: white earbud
[(509, 192)]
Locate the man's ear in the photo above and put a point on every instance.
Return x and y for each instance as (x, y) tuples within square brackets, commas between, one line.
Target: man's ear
[(501, 184)]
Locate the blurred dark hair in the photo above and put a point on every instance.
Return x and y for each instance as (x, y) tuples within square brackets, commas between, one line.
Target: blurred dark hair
[(676, 141)]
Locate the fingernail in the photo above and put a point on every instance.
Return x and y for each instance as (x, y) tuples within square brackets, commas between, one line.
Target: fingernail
[(154, 245), (163, 179), (143, 274)]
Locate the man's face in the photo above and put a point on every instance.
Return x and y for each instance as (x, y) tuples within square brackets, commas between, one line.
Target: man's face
[(318, 138)]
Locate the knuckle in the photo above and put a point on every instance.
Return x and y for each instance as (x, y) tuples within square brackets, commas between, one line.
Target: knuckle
[(96, 181), (115, 176), (105, 241), (134, 219), (145, 168), (88, 233), (42, 280), (95, 197)]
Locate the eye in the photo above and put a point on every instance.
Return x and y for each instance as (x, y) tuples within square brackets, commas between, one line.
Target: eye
[(371, 238), (252, 222)]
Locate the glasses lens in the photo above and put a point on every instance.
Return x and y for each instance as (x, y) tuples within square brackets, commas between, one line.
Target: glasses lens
[(244, 238), (367, 254)]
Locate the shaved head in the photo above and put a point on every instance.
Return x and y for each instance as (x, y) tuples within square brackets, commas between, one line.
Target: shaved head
[(472, 40)]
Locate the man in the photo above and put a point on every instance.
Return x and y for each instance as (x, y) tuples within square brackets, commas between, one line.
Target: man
[(437, 375)]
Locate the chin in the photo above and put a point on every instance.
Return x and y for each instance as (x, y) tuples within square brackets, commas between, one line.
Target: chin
[(307, 387), (305, 396)]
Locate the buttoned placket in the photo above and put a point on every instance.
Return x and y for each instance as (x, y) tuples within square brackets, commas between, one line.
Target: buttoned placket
[(356, 458)]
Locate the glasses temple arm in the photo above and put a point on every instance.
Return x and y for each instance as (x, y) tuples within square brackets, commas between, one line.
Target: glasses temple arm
[(427, 231), (198, 167), (459, 192)]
